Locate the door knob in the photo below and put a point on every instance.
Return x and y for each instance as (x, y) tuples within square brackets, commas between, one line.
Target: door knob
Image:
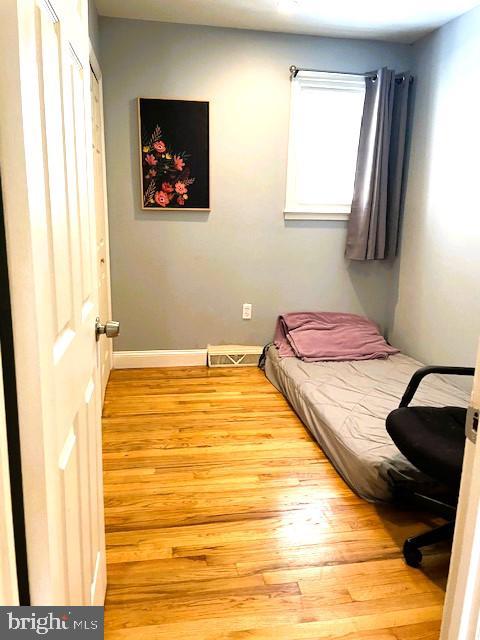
[(110, 329)]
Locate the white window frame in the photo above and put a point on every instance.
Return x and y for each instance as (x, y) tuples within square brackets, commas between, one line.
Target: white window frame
[(339, 81)]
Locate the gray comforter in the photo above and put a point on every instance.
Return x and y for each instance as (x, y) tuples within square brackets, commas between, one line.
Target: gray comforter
[(344, 405)]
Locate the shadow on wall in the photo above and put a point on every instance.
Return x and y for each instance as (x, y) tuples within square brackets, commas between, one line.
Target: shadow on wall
[(172, 216), (366, 279), (313, 224), (154, 214), (395, 276)]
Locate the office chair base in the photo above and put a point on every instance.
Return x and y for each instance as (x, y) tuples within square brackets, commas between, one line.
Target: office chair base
[(412, 554), (411, 548)]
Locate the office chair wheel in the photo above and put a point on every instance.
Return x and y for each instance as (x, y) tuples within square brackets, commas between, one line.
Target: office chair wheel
[(412, 554)]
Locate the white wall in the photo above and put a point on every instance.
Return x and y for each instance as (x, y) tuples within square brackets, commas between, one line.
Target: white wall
[(437, 312), (179, 279)]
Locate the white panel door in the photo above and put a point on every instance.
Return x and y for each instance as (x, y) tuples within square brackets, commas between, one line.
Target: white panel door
[(50, 221)]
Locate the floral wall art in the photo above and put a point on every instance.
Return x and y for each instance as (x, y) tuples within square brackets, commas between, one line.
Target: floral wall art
[(174, 154)]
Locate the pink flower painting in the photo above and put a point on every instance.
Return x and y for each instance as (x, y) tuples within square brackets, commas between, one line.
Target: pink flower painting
[(167, 184), (174, 154)]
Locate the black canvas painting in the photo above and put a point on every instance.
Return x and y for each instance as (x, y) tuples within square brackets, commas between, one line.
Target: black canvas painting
[(174, 152)]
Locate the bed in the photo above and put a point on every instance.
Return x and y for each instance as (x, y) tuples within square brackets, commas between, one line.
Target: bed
[(344, 406)]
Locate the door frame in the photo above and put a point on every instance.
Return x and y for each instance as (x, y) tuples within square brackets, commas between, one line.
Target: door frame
[(461, 615), (8, 576), (95, 65), (11, 482)]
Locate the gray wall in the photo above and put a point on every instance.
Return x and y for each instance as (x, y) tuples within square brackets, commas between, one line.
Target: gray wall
[(437, 310), (179, 279)]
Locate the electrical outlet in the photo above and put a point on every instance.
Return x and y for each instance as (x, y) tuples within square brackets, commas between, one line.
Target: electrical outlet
[(247, 311)]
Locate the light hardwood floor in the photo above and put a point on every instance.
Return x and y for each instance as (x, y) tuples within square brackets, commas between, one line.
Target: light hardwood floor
[(225, 520)]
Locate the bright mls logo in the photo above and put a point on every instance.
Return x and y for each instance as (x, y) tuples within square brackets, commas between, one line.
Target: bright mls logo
[(31, 622), (39, 625)]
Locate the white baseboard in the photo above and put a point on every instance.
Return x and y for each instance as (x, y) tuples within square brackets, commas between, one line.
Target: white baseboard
[(159, 358)]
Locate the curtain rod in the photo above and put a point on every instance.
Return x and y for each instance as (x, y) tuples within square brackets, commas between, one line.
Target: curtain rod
[(294, 71)]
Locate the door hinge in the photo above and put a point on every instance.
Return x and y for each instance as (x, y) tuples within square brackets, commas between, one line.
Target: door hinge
[(471, 426)]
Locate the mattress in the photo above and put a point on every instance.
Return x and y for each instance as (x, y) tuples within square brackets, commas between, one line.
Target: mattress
[(344, 406)]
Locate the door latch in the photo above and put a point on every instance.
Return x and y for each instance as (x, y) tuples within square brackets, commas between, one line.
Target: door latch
[(471, 426)]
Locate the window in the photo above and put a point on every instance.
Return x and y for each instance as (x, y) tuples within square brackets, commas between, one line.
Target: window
[(326, 113)]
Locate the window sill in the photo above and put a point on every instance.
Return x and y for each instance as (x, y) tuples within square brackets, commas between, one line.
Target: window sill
[(317, 215)]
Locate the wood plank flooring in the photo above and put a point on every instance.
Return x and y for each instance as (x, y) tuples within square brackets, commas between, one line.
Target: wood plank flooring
[(225, 520)]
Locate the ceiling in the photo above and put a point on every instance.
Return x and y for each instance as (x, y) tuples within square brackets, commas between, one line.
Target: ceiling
[(399, 21)]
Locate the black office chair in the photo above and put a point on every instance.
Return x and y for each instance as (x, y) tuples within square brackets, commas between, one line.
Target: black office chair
[(432, 439)]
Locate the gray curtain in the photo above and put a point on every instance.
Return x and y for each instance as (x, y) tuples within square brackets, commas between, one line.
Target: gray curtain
[(373, 226)]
